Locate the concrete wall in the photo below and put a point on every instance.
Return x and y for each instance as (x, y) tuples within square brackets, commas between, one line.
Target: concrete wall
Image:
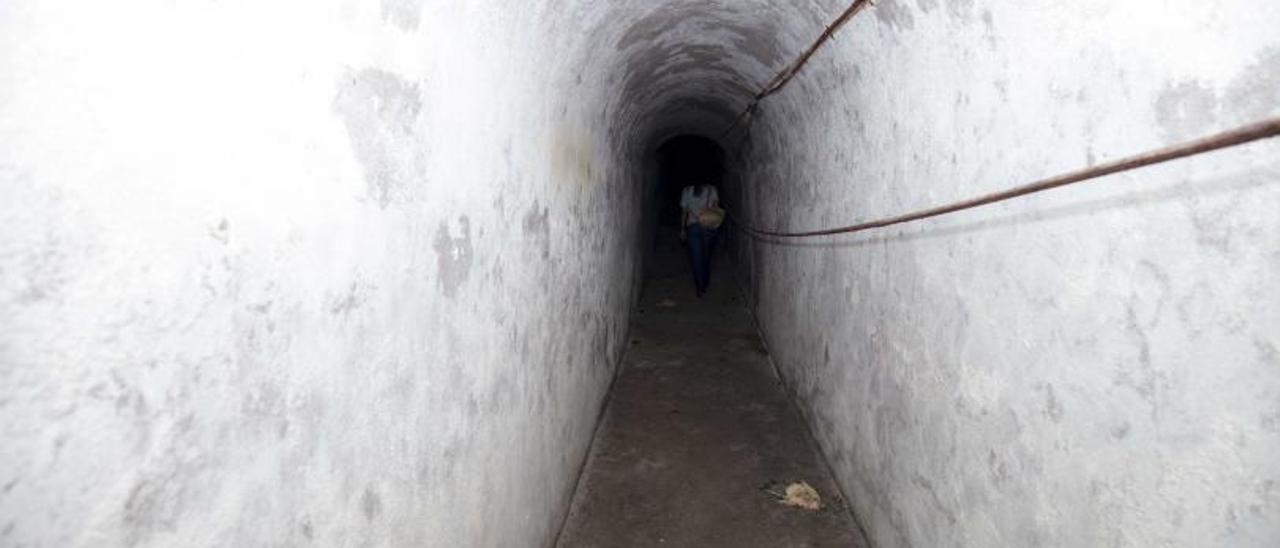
[(296, 273), (330, 272), (357, 273), (1096, 366)]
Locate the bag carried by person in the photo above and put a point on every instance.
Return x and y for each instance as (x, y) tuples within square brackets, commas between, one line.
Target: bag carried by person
[(711, 217)]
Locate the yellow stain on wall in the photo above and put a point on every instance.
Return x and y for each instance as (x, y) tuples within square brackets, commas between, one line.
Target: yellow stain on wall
[(572, 150)]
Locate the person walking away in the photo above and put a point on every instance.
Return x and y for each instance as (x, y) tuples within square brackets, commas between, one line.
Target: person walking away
[(701, 239)]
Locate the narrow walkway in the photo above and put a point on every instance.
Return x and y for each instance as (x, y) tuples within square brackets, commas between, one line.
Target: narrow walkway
[(697, 431)]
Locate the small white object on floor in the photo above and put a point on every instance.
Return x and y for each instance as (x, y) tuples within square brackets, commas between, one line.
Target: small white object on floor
[(802, 495)]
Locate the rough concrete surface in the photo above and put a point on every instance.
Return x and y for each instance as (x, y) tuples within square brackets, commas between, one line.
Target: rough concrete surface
[(698, 431), (359, 273), (328, 272), (264, 281), (1095, 366)]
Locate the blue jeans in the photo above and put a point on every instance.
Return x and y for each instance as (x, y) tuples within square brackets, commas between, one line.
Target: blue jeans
[(702, 243)]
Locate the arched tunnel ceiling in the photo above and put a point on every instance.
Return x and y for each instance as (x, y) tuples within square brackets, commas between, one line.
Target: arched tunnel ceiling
[(681, 66)]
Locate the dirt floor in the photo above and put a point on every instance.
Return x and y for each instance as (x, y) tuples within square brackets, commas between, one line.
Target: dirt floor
[(699, 439)]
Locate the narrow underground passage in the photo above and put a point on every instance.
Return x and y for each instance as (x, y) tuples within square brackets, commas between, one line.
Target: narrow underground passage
[(699, 442), (341, 273)]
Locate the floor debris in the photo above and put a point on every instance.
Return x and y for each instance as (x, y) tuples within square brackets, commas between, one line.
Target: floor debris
[(803, 495), (666, 303), (799, 494)]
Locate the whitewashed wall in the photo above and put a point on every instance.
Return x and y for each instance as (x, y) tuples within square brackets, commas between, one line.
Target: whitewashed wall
[(1095, 366), (357, 273), (301, 272)]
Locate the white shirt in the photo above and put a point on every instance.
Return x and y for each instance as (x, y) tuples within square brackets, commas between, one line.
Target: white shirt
[(692, 203)]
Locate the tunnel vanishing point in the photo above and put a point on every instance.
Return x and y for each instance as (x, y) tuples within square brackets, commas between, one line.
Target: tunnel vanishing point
[(344, 273)]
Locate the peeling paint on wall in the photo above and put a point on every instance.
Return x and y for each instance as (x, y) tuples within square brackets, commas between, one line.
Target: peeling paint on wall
[(381, 111), (209, 337), (453, 256), (1256, 91), (1185, 109), (271, 316), (536, 227), (1080, 365), (404, 14)]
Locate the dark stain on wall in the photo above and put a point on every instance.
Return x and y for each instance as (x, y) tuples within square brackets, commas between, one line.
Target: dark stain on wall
[(153, 505), (1184, 109), (453, 256), (537, 228), (895, 14), (1256, 92), (353, 298), (370, 504), (960, 9)]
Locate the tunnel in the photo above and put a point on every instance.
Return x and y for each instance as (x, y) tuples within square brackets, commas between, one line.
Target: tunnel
[(340, 273)]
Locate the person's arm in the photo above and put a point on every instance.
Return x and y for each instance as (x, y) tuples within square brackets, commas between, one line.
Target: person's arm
[(684, 215), (684, 211)]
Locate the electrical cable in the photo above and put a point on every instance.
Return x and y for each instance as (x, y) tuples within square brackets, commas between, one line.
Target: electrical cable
[(1232, 137)]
